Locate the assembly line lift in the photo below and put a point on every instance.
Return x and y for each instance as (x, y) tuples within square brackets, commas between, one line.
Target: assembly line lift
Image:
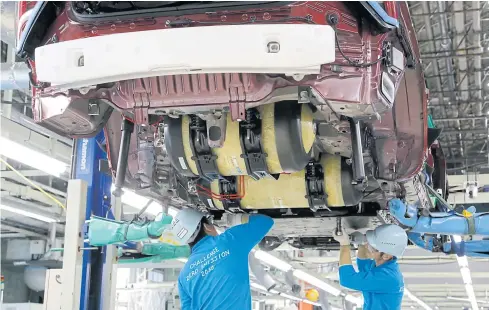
[(88, 277)]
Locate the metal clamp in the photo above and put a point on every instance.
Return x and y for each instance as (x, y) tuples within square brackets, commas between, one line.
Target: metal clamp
[(250, 140), (227, 187), (315, 187), (204, 159)]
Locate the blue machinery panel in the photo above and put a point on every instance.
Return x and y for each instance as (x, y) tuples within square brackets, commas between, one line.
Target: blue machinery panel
[(89, 154)]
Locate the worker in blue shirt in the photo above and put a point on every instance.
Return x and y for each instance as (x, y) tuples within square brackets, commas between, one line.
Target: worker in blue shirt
[(216, 274), (378, 278)]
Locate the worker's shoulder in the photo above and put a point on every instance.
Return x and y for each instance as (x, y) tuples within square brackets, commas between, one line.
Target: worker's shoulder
[(391, 273), (230, 238)]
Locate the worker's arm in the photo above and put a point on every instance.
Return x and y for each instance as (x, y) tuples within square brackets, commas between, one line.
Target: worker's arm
[(362, 252), (366, 281), (363, 260), (248, 234), (185, 301), (345, 256)]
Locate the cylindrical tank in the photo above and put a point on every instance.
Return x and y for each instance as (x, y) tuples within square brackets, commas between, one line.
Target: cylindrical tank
[(290, 190), (286, 137)]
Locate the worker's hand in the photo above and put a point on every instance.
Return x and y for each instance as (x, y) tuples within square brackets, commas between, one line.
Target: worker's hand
[(235, 219), (343, 238), (357, 238)]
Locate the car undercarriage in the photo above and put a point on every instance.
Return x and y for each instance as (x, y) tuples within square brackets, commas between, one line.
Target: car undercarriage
[(316, 112)]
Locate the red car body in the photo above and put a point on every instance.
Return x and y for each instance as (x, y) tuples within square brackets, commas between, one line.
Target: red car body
[(399, 128)]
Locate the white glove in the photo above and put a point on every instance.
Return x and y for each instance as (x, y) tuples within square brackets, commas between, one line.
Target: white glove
[(357, 238), (235, 219), (343, 239)]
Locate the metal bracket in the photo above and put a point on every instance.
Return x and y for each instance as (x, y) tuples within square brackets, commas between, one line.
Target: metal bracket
[(315, 186), (202, 153), (238, 111), (229, 186), (250, 139), (216, 129)]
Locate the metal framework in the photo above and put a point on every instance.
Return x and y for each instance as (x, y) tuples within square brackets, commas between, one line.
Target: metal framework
[(97, 277), (453, 37)]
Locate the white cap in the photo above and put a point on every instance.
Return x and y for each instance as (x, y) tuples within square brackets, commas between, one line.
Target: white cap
[(388, 238)]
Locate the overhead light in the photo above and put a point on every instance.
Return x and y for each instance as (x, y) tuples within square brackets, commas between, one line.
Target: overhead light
[(416, 299), (30, 214), (30, 157), (471, 294), (465, 272), (272, 261), (316, 282), (137, 201), (462, 261), (282, 265)]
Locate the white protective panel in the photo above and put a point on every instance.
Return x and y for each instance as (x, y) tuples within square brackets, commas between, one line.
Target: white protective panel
[(301, 49)]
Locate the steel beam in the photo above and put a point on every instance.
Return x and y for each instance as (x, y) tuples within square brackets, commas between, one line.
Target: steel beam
[(459, 50), (469, 160), (469, 71), (26, 173), (31, 139), (465, 118), (28, 122), (23, 231), (45, 187), (456, 103), (27, 192), (429, 31), (466, 131), (6, 235), (458, 90), (436, 57), (445, 12), (32, 208)]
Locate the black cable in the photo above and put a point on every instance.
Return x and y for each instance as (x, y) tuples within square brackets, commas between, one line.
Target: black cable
[(333, 21), (353, 63)]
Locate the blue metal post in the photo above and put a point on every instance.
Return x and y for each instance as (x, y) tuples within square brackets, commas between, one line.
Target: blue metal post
[(88, 155)]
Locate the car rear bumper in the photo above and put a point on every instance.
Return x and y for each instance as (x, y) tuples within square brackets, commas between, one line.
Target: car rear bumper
[(271, 48)]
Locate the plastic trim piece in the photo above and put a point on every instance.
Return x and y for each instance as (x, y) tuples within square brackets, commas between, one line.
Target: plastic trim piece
[(221, 49)]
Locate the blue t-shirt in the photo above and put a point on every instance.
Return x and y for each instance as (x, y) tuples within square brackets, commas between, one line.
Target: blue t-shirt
[(216, 275), (382, 286)]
